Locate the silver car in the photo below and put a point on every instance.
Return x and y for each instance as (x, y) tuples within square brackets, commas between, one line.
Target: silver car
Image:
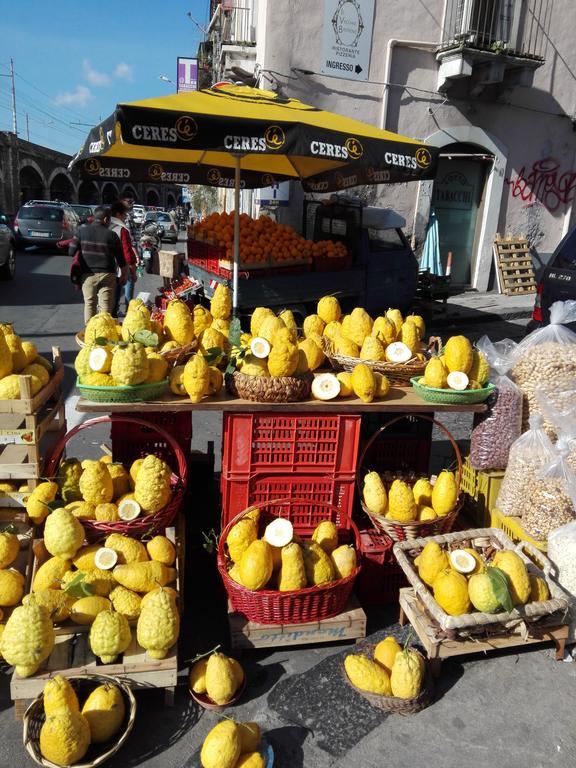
[(45, 224), (7, 249)]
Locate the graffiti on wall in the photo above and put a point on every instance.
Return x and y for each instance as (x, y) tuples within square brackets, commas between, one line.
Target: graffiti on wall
[(544, 182)]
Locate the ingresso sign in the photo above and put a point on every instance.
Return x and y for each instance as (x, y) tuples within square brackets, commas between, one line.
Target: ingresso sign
[(347, 38)]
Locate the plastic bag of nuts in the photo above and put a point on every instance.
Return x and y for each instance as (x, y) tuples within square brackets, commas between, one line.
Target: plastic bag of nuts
[(550, 501), (559, 409), (546, 359), (495, 431), (528, 455)]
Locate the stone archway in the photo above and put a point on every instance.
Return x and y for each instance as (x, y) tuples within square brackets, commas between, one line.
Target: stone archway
[(129, 191), (109, 193), (170, 200), (152, 198), (32, 182), (88, 193), (61, 186)]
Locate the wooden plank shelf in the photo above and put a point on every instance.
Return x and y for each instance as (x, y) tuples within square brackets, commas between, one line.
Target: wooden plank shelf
[(514, 266), (544, 631), (349, 625)]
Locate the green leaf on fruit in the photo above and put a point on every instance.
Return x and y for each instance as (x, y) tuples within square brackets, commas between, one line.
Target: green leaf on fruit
[(235, 332), (147, 338), (501, 587), (78, 587), (212, 355), (101, 341)]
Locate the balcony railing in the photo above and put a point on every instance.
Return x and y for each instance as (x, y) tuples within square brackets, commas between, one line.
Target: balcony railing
[(234, 24), (511, 27)]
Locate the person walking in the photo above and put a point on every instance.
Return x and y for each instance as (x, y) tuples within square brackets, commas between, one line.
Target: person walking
[(104, 262), (119, 215)]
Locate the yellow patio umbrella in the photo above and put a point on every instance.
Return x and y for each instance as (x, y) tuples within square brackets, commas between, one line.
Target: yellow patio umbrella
[(236, 136)]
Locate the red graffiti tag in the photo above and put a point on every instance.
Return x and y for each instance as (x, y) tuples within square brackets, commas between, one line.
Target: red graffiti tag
[(545, 183)]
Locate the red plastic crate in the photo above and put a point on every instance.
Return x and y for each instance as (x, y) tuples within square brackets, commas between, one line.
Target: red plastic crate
[(130, 441), (281, 443), (239, 492), (381, 578)]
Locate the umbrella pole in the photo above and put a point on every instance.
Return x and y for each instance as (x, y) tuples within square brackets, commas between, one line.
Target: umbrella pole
[(237, 159)]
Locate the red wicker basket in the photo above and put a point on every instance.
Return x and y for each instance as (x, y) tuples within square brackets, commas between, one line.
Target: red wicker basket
[(414, 529), (304, 605), (142, 525)]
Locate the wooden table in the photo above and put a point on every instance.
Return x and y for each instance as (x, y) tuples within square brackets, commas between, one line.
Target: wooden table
[(399, 400)]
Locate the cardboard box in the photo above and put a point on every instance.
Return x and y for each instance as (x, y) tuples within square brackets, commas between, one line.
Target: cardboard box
[(170, 263)]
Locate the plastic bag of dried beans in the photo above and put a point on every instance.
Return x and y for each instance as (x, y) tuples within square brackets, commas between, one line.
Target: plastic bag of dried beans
[(500, 426)]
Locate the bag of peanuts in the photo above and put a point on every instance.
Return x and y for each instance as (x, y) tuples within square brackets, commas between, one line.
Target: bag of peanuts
[(560, 411), (562, 552), (531, 452), (550, 504), (495, 431), (546, 358)]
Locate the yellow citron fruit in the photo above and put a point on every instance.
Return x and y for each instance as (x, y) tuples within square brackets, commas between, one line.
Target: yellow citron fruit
[(234, 572), (382, 384), (95, 483), (458, 354), (104, 709), (426, 513), (64, 737), (395, 317), (313, 354), (83, 510), (106, 513), (202, 319), (101, 325), (221, 747), (401, 504), (287, 317), (120, 479), (9, 548), (257, 318), (130, 365), (292, 574), (129, 550), (372, 349), (326, 535), (410, 335), (251, 760), (318, 565), (363, 382), (386, 651), (58, 694), (126, 602), (221, 681), (254, 366), (85, 610), (328, 309), (444, 493), (27, 639), (515, 569), (197, 678), (37, 505), (157, 367), (196, 378), (240, 537), (221, 302), (158, 624), (175, 379), (360, 326), (161, 549), (152, 487), (345, 346), (332, 330), (384, 330), (50, 573), (480, 369), (367, 675), (151, 595), (256, 565), (435, 374), (250, 736), (422, 490), (407, 674), (14, 343), (270, 326), (482, 594), (144, 577), (344, 561), (212, 339), (538, 589), (216, 381), (109, 636), (431, 561), (374, 494), (36, 370), (451, 592), (63, 534), (313, 324), (11, 587), (134, 469), (283, 359), (479, 562), (418, 321), (31, 351), (137, 319), (10, 387), (57, 603), (345, 379)]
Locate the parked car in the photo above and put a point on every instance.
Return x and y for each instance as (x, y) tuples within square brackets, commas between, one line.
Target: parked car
[(138, 214), (85, 213), (557, 281), (7, 249), (45, 224), (167, 222)]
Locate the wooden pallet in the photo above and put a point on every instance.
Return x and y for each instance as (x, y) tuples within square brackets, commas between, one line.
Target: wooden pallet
[(439, 649), (514, 266), (349, 625)]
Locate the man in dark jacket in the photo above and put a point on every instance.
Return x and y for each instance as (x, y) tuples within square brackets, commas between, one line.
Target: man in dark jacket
[(105, 263)]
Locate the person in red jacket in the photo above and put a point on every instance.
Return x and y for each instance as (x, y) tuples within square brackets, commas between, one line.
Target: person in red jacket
[(118, 223)]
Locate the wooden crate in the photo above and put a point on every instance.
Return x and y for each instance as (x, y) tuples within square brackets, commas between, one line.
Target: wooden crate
[(32, 404), (349, 625), (68, 627), (438, 648), (514, 266)]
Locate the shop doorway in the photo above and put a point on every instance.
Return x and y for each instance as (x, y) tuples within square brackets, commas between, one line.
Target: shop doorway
[(458, 199)]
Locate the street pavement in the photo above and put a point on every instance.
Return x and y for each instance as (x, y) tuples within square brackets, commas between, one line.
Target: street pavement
[(511, 710)]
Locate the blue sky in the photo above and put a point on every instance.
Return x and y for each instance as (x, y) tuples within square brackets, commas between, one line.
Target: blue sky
[(74, 61)]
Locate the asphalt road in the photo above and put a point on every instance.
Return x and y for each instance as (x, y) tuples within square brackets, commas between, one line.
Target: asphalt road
[(511, 710)]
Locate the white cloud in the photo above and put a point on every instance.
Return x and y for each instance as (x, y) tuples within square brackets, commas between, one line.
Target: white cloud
[(93, 76), (124, 71), (79, 97)]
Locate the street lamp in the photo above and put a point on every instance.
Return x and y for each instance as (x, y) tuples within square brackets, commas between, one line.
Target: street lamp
[(165, 79)]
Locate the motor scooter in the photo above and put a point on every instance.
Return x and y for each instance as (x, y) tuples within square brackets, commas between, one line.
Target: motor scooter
[(149, 244)]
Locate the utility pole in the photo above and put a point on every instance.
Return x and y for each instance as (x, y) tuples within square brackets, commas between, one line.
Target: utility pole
[(14, 121), (27, 128)]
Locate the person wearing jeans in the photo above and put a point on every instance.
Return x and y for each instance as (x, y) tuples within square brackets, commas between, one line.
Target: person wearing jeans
[(119, 224), (104, 262)]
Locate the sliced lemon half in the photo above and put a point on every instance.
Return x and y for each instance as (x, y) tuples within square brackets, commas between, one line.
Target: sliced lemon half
[(457, 380), (462, 561), (326, 386), (105, 558), (260, 347), (100, 360), (398, 352), (128, 509), (279, 532)]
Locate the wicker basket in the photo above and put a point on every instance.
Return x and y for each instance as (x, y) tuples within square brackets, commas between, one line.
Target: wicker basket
[(394, 704), (172, 356), (142, 525), (398, 531), (135, 394), (97, 754), (398, 374), (269, 389), (484, 540), (267, 606), (451, 396)]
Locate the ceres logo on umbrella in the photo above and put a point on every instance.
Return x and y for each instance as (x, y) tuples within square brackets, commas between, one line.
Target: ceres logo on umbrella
[(155, 171), (274, 137), (186, 128), (423, 157), (92, 166), (213, 176), (354, 147)]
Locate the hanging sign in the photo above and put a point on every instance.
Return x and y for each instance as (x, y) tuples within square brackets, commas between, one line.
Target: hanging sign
[(347, 38)]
